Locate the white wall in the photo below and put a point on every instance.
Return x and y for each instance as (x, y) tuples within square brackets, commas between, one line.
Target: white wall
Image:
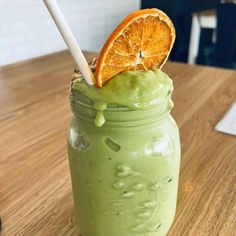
[(27, 30)]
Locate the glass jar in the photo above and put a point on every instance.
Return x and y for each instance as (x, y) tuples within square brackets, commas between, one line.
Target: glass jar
[(125, 173)]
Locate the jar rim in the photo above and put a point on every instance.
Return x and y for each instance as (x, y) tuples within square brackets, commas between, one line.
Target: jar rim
[(127, 117)]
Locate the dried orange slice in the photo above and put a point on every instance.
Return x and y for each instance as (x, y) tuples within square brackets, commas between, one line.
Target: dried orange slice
[(142, 41)]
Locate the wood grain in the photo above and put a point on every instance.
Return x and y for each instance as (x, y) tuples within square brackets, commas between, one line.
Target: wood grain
[(35, 188)]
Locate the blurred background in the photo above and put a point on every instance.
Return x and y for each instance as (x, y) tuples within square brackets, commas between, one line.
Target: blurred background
[(206, 29)]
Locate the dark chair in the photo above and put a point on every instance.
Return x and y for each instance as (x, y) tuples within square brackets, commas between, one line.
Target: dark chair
[(225, 48), (180, 12)]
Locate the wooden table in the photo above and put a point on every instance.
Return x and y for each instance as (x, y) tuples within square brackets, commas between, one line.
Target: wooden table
[(35, 188)]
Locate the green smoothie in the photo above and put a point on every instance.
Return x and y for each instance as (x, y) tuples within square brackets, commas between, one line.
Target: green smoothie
[(124, 155)]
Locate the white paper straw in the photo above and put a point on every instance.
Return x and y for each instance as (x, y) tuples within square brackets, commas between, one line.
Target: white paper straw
[(69, 39)]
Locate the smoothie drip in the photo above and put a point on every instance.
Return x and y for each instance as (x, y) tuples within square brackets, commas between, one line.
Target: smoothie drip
[(99, 106), (135, 90)]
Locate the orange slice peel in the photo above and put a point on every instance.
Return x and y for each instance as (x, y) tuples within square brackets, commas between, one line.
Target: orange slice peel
[(142, 41)]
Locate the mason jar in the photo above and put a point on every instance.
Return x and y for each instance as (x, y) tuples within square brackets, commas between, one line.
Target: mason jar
[(125, 173)]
